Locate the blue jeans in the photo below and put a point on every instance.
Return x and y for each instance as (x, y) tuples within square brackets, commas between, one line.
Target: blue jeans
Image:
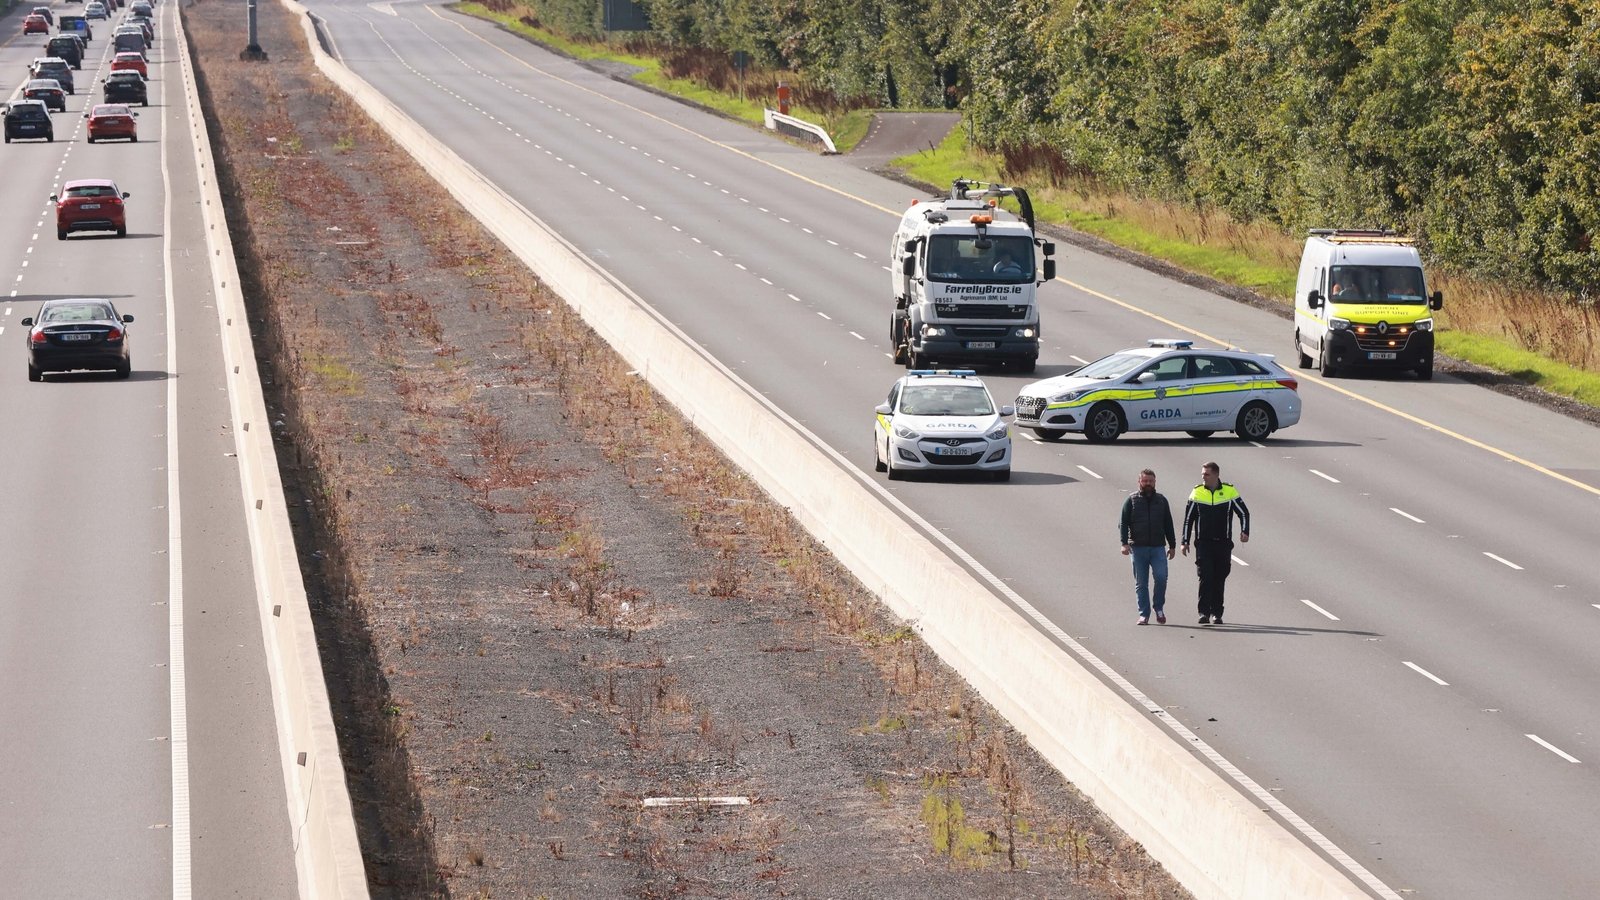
[(1145, 561)]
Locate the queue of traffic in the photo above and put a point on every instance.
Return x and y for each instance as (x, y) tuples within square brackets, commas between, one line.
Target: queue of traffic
[(76, 334)]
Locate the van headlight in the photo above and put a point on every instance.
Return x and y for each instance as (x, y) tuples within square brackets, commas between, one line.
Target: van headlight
[(999, 434), (1423, 324), (932, 331), (906, 433), (1339, 324), (1026, 332)]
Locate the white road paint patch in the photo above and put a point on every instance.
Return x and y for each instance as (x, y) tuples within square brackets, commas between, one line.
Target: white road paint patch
[(1425, 673), (1324, 475), (859, 255), (1081, 360), (852, 334), (766, 282), (1502, 560), (1551, 747), (825, 315), (1239, 561), (1404, 514), (1091, 473), (794, 298), (1319, 609)]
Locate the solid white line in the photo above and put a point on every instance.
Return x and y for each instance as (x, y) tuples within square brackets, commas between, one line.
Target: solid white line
[(1401, 512), (1324, 475), (1425, 673), (1319, 609), (1551, 747), (1502, 560), (182, 887), (1090, 473), (1239, 561)]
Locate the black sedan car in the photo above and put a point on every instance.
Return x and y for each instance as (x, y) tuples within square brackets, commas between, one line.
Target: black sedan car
[(126, 86), (77, 334), (48, 91), (28, 119)]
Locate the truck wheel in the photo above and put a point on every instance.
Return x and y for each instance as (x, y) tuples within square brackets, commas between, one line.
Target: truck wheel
[(1255, 422), (1027, 366), (1104, 423), (1300, 350), (1325, 362)]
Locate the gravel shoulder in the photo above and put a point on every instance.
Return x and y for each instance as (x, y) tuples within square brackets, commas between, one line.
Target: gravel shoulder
[(542, 598)]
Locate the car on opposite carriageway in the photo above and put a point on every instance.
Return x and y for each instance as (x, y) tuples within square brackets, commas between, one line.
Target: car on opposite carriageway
[(70, 335), (1168, 385), (126, 87)]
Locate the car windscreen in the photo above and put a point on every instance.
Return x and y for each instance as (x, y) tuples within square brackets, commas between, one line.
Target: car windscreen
[(77, 312), (1376, 284), (29, 111), (1114, 366), (945, 400), (92, 190), (967, 257)]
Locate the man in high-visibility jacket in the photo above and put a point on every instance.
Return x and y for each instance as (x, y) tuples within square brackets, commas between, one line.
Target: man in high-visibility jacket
[(1208, 523)]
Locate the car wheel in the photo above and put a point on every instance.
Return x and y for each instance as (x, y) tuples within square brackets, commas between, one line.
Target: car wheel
[(878, 464), (1425, 371), (1255, 421), (134, 138), (61, 235), (1002, 475), (1104, 423), (1300, 350), (122, 231), (34, 374), (51, 137), (1051, 434), (91, 140), (124, 370), (8, 138), (1325, 362), (1201, 435), (895, 472)]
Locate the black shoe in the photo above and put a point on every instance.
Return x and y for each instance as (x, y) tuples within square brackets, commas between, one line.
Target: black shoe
[(1216, 620), (1205, 620)]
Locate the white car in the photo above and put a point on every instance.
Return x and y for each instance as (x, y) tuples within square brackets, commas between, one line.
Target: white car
[(95, 11), (1168, 385), (941, 420)]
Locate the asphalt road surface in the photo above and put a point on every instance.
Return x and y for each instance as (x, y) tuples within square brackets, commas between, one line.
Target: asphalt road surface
[(1409, 656), (141, 754)]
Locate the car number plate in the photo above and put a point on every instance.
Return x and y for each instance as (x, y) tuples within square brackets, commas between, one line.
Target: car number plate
[(1383, 354), (90, 206), (952, 451), (77, 337), (980, 345)]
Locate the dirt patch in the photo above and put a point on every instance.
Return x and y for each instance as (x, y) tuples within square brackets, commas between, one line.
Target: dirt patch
[(542, 598)]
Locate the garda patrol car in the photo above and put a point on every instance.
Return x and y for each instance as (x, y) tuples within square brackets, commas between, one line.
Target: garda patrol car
[(1166, 386), (941, 420)]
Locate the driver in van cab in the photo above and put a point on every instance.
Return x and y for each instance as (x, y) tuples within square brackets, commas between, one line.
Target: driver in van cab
[(1007, 265)]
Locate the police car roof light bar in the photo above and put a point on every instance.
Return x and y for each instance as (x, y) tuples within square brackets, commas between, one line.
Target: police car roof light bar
[(1171, 343), (957, 372)]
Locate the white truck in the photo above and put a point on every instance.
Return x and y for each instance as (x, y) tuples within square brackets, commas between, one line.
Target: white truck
[(1361, 301), (964, 279)]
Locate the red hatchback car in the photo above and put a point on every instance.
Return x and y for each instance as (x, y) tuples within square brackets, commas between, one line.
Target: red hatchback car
[(112, 120), (90, 204), (35, 24), (130, 60)]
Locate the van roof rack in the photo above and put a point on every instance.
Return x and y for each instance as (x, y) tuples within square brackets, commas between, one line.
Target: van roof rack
[(1360, 236)]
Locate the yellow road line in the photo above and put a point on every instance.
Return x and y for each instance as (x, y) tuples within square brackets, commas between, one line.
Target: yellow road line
[(1503, 454)]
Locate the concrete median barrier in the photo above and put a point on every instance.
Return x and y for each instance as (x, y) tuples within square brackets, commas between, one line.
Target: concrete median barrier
[(1215, 838)]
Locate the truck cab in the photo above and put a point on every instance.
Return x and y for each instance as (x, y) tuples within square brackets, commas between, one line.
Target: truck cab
[(1361, 301), (964, 274)]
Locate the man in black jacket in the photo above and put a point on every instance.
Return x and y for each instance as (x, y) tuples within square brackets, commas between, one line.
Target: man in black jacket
[(1208, 519), (1146, 530)]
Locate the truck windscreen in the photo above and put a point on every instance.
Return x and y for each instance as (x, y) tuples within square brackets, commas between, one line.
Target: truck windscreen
[(1001, 260), (1376, 284)]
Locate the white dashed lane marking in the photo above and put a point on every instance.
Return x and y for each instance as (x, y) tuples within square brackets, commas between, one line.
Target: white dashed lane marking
[(1091, 473), (1502, 560), (1401, 512), (1319, 609), (1324, 475), (1551, 747), (1425, 673)]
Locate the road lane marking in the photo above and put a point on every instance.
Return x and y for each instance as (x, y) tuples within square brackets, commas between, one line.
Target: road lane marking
[(1091, 473), (1425, 673), (1401, 512), (1324, 475), (825, 316), (1551, 747), (795, 299), (1319, 609), (852, 334), (1239, 561), (1502, 560)]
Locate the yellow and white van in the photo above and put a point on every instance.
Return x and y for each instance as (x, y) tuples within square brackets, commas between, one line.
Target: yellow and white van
[(1361, 300)]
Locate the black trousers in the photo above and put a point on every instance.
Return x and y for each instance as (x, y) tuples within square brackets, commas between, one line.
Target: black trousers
[(1213, 560)]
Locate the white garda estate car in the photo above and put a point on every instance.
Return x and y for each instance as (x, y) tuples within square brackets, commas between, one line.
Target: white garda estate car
[(942, 420), (1168, 385)]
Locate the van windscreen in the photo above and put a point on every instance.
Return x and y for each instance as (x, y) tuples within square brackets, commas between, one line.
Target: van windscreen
[(1376, 284)]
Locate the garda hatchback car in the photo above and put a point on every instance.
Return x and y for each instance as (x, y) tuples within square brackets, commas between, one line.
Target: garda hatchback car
[(941, 421), (90, 204), (1169, 385), (69, 335)]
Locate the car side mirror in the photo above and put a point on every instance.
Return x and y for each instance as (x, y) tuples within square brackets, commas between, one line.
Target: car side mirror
[(126, 195), (1049, 269), (1314, 299), (1048, 248), (86, 115), (1437, 300), (1146, 377), (883, 409), (909, 266), (53, 198), (1008, 410), (128, 318), (27, 322)]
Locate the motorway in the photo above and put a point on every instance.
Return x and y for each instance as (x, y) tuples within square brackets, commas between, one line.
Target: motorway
[(142, 758), (1409, 654)]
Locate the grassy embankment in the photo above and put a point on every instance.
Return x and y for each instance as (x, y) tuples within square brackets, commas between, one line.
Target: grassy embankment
[(1534, 337)]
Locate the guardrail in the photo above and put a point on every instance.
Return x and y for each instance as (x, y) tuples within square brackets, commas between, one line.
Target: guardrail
[(1214, 839), (800, 128), (327, 852)]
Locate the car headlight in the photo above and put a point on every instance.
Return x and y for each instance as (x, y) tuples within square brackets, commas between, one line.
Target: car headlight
[(1339, 324), (1423, 324), (999, 434), (906, 433), (1068, 397), (1026, 332), (932, 331)]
